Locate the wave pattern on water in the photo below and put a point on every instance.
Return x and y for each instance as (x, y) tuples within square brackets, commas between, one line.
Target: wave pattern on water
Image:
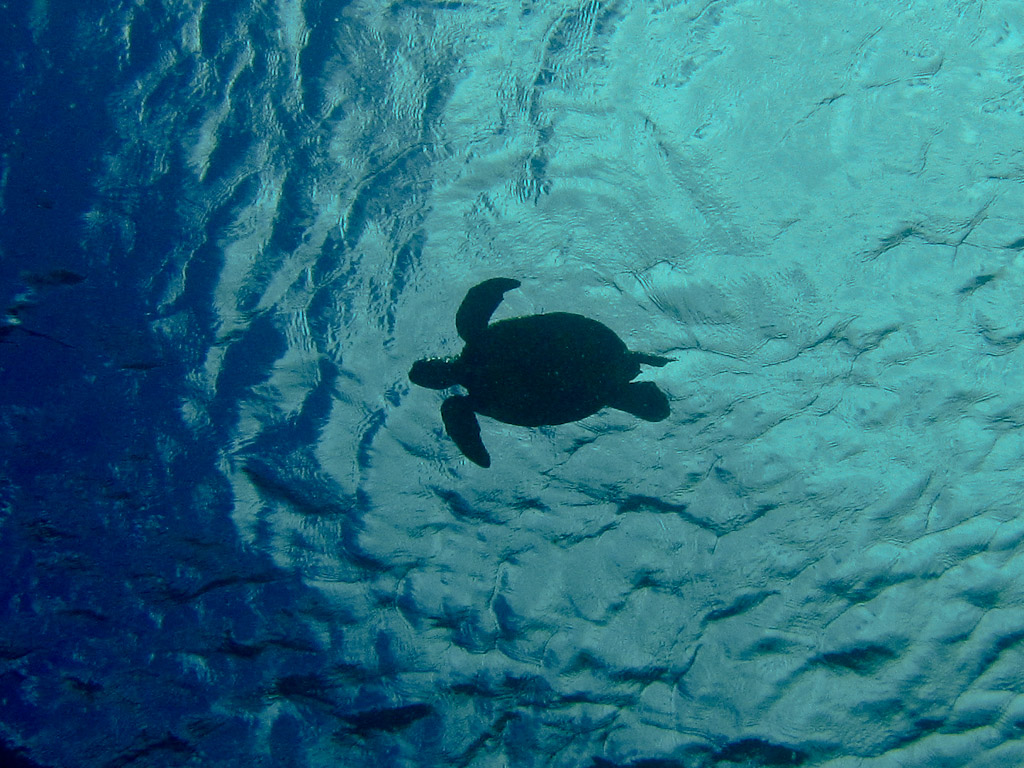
[(235, 534)]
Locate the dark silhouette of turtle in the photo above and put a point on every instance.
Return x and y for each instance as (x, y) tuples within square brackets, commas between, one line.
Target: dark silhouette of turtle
[(535, 370)]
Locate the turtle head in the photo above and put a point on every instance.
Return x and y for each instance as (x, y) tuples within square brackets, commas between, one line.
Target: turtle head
[(433, 373)]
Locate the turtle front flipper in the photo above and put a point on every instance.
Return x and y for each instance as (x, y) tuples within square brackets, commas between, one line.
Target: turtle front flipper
[(461, 425), (478, 306), (643, 399)]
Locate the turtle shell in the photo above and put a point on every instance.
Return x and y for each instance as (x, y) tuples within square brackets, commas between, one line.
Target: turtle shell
[(544, 369)]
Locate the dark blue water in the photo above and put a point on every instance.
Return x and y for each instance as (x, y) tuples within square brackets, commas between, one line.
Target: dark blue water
[(233, 533)]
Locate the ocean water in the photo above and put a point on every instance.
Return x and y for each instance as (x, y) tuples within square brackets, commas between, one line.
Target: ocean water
[(233, 533)]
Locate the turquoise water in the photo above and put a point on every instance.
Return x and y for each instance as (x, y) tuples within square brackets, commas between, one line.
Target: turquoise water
[(234, 534)]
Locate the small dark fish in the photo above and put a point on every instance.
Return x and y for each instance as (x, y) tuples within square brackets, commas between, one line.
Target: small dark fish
[(387, 718), (56, 277), (7, 330)]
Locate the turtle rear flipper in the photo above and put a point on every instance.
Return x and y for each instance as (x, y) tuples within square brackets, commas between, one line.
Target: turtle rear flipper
[(478, 306), (642, 399), (461, 425)]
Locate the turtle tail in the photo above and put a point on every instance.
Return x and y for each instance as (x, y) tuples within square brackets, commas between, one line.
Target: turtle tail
[(656, 360)]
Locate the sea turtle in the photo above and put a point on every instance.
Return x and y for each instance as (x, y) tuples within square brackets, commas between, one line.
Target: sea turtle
[(535, 370)]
